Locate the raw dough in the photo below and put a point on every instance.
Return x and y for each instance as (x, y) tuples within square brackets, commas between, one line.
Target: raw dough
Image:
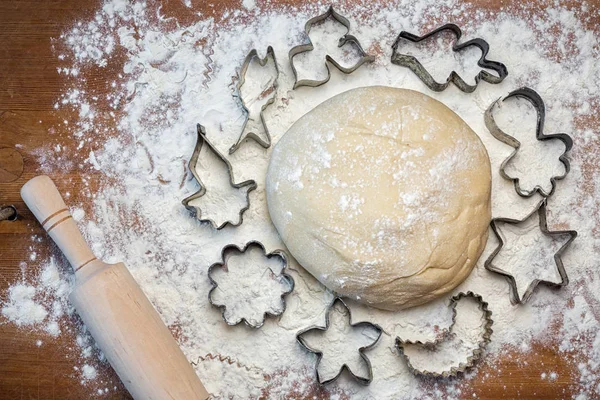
[(383, 195)]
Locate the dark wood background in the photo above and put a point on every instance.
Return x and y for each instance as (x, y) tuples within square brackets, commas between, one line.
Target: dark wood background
[(29, 87)]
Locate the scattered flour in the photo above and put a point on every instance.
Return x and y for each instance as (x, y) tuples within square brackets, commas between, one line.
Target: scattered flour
[(88, 372), (137, 135), (21, 307)]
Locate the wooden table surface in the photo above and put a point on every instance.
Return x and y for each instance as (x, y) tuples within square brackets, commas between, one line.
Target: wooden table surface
[(29, 87)]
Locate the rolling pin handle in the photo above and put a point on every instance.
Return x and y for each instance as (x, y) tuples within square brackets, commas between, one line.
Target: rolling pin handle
[(47, 205)]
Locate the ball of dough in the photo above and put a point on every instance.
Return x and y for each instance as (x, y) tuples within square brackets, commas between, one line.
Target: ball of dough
[(383, 194)]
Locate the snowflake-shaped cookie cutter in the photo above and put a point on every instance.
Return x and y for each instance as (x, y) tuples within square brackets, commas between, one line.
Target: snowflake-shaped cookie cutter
[(536, 100), (347, 38), (431, 345), (540, 210), (197, 211), (360, 379), (283, 277)]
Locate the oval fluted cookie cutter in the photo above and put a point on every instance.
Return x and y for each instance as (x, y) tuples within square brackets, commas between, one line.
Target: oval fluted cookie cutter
[(413, 63), (431, 345), (227, 250), (362, 380), (536, 100)]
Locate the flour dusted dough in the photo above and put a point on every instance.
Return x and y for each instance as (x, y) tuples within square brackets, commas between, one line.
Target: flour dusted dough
[(383, 195)]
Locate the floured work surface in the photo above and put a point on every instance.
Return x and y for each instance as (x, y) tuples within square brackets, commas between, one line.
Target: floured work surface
[(125, 175)]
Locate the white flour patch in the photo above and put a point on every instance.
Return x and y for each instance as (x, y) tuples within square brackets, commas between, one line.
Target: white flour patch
[(139, 133)]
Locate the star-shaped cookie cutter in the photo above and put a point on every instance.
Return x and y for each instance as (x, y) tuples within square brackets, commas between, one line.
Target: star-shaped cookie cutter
[(536, 100), (362, 380), (250, 184), (411, 62), (252, 135), (541, 211), (472, 359), (347, 38), (221, 264)]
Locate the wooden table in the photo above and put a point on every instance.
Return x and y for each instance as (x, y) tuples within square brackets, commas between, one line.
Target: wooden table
[(29, 86)]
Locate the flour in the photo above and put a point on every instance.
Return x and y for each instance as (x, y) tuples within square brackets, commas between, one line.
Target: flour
[(88, 372), (137, 136), (21, 308), (41, 304)]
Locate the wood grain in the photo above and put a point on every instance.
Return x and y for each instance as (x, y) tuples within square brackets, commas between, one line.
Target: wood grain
[(29, 87)]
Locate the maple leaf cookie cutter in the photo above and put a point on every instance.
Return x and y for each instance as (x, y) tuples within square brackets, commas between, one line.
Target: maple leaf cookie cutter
[(250, 184), (431, 345), (346, 38), (536, 100), (253, 54), (413, 63), (222, 264), (360, 379), (540, 210)]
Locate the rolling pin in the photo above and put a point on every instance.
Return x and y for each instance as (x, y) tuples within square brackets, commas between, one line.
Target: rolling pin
[(115, 310)]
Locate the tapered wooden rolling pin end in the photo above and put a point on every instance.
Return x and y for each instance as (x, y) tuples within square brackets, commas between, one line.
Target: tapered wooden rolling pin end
[(117, 313)]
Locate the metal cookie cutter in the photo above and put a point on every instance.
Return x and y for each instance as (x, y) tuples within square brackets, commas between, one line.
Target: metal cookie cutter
[(266, 143), (535, 99), (359, 379), (415, 65), (287, 279), (249, 185), (472, 359), (8, 213), (347, 38), (541, 211)]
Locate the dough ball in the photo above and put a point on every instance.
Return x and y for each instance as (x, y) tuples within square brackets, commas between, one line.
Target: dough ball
[(383, 195)]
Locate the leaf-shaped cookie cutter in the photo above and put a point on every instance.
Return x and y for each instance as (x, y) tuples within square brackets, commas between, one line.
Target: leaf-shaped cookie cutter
[(543, 224), (233, 248), (359, 379), (252, 135), (411, 62), (536, 100), (250, 184), (472, 359), (347, 38)]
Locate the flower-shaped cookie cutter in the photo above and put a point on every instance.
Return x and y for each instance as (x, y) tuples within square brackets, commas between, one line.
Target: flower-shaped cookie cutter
[(282, 277), (472, 359), (536, 100), (540, 210), (362, 380), (347, 38)]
